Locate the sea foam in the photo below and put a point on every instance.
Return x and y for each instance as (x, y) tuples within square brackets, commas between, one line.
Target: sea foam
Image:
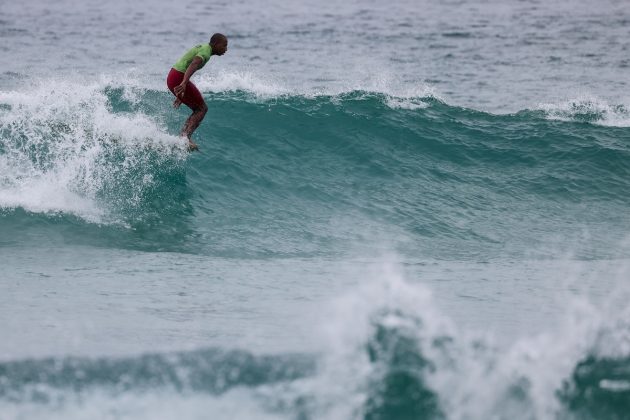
[(54, 141), (588, 108)]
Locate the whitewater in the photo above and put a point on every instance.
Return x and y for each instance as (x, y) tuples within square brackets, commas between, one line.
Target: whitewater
[(398, 211)]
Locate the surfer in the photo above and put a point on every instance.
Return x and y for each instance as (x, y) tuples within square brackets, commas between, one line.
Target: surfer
[(178, 82)]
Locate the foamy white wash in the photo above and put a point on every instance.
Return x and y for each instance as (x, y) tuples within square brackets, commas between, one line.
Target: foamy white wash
[(53, 136), (539, 364), (588, 108)]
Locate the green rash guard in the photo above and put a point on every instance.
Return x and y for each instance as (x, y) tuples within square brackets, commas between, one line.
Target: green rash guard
[(202, 50)]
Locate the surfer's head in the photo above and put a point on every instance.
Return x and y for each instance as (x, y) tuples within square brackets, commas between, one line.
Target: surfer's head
[(218, 42)]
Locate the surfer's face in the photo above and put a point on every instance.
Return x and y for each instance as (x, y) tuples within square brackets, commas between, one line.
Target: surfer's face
[(220, 47)]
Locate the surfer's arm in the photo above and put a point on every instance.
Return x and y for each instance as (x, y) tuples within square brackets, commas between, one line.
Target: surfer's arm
[(193, 67)]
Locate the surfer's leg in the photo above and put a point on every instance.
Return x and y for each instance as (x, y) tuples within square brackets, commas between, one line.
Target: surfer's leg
[(193, 99), (193, 121)]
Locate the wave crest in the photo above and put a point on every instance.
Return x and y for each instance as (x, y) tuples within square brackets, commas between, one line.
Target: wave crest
[(588, 109)]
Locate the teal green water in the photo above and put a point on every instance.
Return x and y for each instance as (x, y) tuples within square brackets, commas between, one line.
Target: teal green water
[(300, 176)]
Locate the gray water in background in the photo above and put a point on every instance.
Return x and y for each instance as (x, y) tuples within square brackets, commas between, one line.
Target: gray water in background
[(499, 56)]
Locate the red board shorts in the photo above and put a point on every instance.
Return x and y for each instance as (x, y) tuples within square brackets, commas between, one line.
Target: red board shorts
[(192, 97)]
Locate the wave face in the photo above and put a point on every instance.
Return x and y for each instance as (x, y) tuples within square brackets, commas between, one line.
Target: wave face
[(289, 175)]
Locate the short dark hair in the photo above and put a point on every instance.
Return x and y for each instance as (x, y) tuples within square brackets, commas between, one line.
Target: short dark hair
[(217, 38)]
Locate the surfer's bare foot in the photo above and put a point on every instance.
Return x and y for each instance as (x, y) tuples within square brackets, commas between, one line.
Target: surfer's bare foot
[(177, 103), (192, 146)]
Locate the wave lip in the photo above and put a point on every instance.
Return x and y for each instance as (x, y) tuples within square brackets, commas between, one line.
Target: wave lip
[(241, 81), (589, 109), (399, 95)]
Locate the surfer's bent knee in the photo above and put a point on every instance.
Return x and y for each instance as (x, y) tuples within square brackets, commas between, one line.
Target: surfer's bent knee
[(202, 108)]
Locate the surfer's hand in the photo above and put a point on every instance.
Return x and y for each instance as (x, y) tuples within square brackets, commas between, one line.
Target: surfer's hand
[(177, 103), (180, 89)]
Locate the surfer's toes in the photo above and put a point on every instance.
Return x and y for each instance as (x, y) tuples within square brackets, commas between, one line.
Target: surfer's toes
[(192, 146)]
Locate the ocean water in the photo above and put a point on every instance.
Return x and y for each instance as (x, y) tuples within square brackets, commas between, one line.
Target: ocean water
[(400, 210)]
